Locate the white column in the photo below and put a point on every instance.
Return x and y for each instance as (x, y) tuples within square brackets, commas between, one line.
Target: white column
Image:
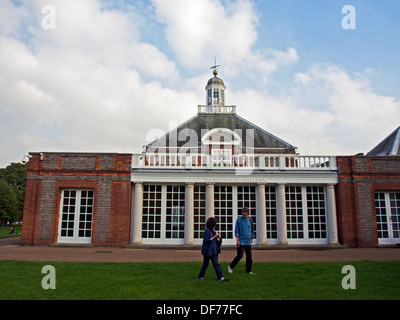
[(282, 228), (209, 200), (136, 221), (332, 221), (261, 217), (189, 214)]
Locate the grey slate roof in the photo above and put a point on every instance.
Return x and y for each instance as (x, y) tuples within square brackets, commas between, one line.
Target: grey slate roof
[(389, 146), (202, 123)]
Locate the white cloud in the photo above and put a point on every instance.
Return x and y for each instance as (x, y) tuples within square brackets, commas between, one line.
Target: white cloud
[(80, 87), (198, 30), (85, 86), (327, 111), (11, 17)]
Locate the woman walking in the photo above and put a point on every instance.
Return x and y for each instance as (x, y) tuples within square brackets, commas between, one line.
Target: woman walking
[(210, 250)]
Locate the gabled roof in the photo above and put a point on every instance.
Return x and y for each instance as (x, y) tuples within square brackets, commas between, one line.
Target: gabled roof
[(202, 123), (389, 146)]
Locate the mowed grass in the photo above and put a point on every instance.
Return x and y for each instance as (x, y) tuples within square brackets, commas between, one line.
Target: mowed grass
[(4, 231), (178, 281)]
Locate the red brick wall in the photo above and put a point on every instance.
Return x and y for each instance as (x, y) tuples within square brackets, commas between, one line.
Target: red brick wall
[(107, 174), (346, 214), (31, 207), (120, 206), (359, 178)]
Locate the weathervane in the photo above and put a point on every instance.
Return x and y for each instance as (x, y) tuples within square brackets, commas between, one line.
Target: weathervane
[(215, 67)]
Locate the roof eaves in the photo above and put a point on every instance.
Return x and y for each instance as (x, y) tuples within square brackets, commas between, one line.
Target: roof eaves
[(396, 143)]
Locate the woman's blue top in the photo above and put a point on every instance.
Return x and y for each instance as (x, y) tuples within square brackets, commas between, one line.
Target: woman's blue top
[(210, 247)]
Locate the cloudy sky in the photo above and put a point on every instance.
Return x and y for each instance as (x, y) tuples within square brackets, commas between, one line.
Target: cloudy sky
[(109, 76)]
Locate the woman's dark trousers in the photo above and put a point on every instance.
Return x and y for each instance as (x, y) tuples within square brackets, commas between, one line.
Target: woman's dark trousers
[(214, 261)]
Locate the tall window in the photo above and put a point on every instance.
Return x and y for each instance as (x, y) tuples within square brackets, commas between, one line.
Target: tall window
[(209, 97), (163, 216), (270, 205), (151, 220), (76, 216), (294, 213), (246, 197), (306, 213), (175, 212), (381, 215), (316, 213), (223, 210), (216, 96), (387, 209), (199, 211)]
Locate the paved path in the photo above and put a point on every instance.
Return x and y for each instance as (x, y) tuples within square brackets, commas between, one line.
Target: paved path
[(10, 249)]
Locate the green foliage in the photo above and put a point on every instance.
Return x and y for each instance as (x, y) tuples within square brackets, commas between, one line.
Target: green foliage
[(8, 201), (12, 191)]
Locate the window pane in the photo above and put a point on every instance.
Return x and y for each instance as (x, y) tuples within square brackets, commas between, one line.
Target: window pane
[(151, 212)]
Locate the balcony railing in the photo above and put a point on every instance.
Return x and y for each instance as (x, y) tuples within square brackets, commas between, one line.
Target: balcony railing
[(263, 162), (215, 109)]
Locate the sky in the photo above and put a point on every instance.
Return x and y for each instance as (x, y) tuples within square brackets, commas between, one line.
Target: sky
[(110, 76)]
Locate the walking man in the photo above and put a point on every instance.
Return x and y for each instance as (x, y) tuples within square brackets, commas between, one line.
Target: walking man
[(244, 232)]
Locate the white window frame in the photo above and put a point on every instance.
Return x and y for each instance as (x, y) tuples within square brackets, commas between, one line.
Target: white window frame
[(199, 212), (176, 226), (163, 239), (304, 209), (390, 219), (221, 157), (216, 96), (247, 197), (221, 212), (75, 238), (271, 212)]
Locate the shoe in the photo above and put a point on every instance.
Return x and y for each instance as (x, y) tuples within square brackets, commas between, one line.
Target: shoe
[(252, 273), (223, 280), (229, 269), (201, 278)]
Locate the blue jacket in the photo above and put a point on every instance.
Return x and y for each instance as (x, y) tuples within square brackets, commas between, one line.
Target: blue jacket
[(244, 229), (210, 247)]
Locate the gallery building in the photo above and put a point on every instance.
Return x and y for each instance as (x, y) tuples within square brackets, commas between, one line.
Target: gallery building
[(214, 164)]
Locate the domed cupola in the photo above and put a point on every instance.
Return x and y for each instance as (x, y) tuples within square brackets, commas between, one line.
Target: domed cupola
[(215, 90), (215, 79)]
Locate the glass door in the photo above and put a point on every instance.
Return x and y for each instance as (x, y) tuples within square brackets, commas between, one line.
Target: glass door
[(387, 208), (76, 216)]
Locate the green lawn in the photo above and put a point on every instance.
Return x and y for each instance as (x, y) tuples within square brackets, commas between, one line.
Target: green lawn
[(178, 281), (5, 229)]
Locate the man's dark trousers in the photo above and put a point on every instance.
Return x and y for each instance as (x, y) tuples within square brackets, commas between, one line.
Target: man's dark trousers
[(249, 259)]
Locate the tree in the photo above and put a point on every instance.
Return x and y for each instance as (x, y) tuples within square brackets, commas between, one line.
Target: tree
[(12, 191), (8, 202)]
